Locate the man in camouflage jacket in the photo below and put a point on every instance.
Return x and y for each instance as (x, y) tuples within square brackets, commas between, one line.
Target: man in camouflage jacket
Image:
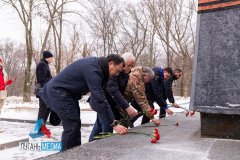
[(136, 89)]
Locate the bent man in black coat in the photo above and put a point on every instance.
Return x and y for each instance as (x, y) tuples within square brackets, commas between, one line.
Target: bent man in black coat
[(43, 75), (168, 90), (62, 93), (168, 86), (117, 84)]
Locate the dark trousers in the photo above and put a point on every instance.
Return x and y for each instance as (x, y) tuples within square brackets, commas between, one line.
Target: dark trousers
[(162, 113), (71, 135), (43, 111), (145, 119), (68, 111), (100, 126)]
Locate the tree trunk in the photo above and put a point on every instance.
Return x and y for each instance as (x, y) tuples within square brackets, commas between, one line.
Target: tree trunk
[(85, 50), (27, 78)]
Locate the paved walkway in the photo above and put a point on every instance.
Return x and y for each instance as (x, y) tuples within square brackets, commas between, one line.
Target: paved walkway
[(181, 142)]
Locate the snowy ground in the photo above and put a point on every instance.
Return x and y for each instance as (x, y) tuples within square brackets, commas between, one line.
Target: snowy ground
[(14, 130), (14, 108)]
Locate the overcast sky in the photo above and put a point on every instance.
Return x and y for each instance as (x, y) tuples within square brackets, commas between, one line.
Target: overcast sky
[(11, 27)]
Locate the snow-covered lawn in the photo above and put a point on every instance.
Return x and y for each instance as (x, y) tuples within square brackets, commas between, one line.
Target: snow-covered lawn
[(16, 102), (14, 108)]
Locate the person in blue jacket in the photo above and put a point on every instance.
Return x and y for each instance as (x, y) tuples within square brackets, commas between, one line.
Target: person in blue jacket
[(61, 94)]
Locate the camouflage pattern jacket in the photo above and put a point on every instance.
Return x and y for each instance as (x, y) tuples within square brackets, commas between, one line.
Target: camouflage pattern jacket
[(136, 89)]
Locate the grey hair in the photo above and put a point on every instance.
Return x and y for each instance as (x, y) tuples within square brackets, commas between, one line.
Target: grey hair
[(126, 56), (148, 72)]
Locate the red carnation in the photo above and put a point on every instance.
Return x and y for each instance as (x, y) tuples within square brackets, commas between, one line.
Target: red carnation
[(192, 113), (157, 136), (150, 110), (154, 140), (154, 112)]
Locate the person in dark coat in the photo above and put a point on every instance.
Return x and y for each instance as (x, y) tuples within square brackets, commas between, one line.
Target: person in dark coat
[(117, 84), (168, 86), (43, 75), (62, 93), (168, 90), (155, 91)]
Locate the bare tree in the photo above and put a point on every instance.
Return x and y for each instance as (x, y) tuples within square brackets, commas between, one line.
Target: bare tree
[(103, 18), (77, 47), (50, 17), (53, 16), (58, 40), (174, 26), (74, 46), (152, 44), (13, 58), (161, 17), (24, 9), (135, 30), (144, 29), (183, 38)]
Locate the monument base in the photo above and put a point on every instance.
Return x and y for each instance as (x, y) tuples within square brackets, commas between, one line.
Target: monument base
[(220, 126)]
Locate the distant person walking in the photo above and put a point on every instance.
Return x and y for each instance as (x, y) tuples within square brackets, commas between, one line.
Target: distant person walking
[(43, 75)]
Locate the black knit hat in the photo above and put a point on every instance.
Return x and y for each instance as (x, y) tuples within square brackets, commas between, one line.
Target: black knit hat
[(47, 54)]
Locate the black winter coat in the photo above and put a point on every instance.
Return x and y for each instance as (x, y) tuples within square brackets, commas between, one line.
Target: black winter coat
[(168, 90), (43, 73), (115, 90), (155, 89)]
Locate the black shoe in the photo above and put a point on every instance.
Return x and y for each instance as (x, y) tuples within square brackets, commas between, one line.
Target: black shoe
[(162, 115)]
